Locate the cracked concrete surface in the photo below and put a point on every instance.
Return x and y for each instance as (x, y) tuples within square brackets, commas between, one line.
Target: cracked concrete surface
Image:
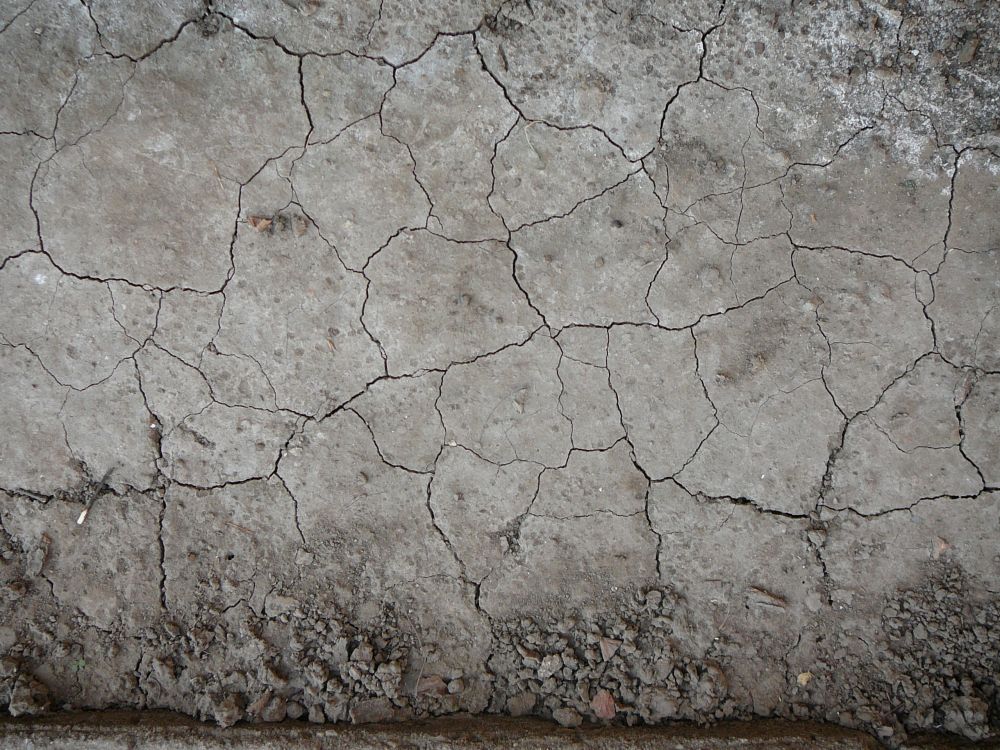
[(633, 360)]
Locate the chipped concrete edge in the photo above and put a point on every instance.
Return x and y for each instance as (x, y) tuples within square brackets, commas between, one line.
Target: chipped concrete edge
[(162, 730)]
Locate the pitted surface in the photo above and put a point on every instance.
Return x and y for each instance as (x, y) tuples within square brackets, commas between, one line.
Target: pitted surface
[(621, 361)]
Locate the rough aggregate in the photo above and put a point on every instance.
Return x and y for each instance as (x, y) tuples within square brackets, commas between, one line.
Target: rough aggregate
[(624, 361)]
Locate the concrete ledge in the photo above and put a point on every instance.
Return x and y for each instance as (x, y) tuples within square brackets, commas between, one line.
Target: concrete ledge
[(155, 730)]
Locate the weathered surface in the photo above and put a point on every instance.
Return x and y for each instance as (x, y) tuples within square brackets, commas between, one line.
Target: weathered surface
[(105, 577), (594, 265), (902, 215), (314, 352), (762, 367), (433, 301), (35, 453), (506, 407), (451, 115), (403, 418), (478, 506), (542, 171), (377, 193), (704, 275), (112, 730), (966, 308), (665, 411), (611, 362), (630, 66), (188, 128), (981, 415), (871, 319), (78, 341)]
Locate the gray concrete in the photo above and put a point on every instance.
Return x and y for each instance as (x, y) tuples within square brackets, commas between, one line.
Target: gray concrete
[(605, 362)]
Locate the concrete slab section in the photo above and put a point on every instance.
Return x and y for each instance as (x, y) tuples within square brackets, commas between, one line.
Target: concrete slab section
[(612, 363)]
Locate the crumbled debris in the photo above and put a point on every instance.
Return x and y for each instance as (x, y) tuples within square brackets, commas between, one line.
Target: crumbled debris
[(28, 697), (279, 223)]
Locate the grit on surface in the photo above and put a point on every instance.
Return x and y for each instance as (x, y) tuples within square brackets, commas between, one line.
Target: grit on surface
[(628, 361)]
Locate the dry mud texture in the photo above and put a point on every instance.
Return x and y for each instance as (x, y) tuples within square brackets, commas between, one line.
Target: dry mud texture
[(608, 361)]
